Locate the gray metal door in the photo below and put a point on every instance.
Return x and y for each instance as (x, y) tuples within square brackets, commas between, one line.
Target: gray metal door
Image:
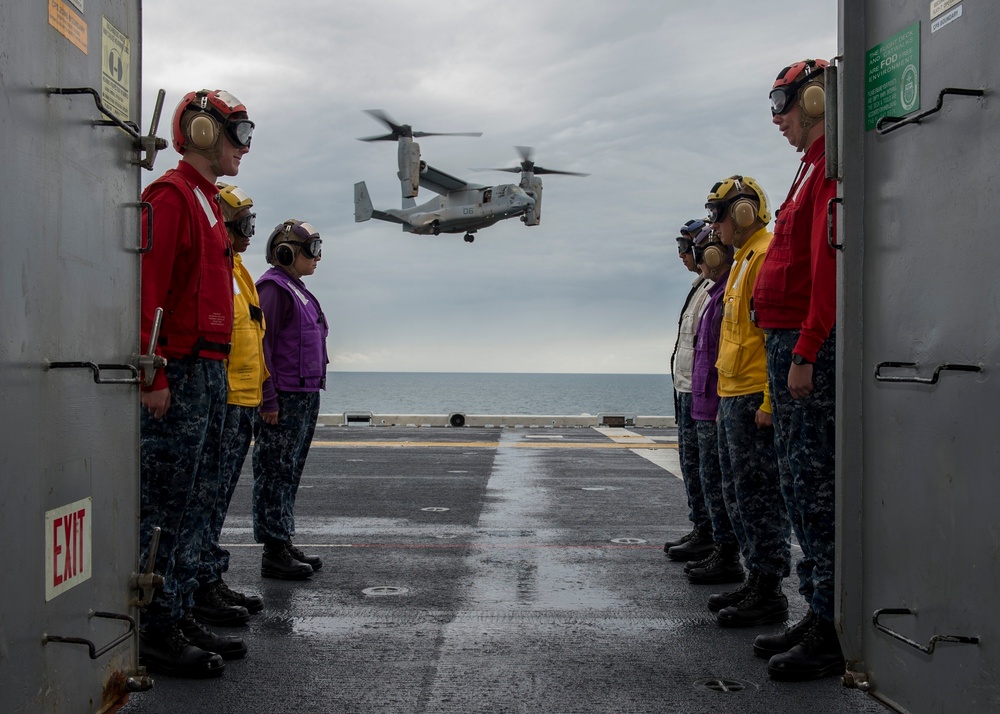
[(69, 273), (919, 311)]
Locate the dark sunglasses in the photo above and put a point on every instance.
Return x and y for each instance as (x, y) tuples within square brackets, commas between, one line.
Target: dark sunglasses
[(684, 245), (244, 226)]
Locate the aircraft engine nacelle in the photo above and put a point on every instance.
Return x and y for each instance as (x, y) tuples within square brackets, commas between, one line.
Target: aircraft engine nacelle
[(533, 187), (409, 168)]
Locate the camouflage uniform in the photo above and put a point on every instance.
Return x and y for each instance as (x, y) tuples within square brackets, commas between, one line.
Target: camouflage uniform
[(236, 435), (279, 456), (710, 476), (750, 486), (179, 463), (688, 446), (804, 436)]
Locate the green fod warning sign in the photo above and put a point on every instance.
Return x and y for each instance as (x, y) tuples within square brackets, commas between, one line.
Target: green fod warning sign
[(892, 76)]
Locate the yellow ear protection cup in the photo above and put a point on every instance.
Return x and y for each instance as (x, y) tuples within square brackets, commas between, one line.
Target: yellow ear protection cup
[(812, 100), (714, 255), (744, 212), (202, 130)]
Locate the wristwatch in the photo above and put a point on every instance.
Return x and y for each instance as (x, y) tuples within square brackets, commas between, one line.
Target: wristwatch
[(799, 359)]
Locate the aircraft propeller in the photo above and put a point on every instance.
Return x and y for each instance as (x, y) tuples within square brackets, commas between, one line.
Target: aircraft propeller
[(401, 130), (528, 165)]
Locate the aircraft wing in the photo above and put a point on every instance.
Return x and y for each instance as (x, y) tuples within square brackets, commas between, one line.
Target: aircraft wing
[(439, 182)]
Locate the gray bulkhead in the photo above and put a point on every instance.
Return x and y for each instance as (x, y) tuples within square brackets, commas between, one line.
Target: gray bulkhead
[(918, 447), (69, 275)]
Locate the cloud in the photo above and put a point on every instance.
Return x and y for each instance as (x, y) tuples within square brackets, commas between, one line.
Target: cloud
[(655, 100)]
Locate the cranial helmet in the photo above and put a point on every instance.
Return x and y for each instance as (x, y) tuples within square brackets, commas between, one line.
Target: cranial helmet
[(803, 80), (290, 238), (801, 84), (692, 233), (741, 198), (202, 118), (233, 200)]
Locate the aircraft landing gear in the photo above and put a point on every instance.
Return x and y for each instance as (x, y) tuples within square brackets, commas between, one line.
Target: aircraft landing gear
[(469, 238)]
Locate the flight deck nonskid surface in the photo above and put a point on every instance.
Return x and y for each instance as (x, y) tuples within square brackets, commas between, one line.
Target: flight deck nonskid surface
[(488, 570)]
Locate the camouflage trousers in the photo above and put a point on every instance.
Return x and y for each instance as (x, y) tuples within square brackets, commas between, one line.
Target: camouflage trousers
[(805, 439), (688, 448), (236, 436), (710, 475), (179, 481), (751, 488), (279, 456)]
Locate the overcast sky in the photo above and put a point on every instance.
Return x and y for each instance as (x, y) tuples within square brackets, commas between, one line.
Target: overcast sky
[(656, 99)]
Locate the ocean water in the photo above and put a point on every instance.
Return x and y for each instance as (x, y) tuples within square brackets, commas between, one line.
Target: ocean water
[(481, 393)]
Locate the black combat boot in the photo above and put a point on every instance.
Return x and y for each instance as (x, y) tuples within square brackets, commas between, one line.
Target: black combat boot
[(212, 609), (723, 567), (253, 603), (699, 545), (313, 560), (168, 651), (692, 564), (767, 646), (226, 646), (680, 541), (277, 562), (817, 655), (720, 600), (764, 604)]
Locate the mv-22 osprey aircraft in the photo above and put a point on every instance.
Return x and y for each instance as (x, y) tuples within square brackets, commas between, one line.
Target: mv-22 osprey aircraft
[(462, 207)]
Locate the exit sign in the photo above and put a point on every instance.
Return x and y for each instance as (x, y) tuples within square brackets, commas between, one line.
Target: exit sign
[(67, 546)]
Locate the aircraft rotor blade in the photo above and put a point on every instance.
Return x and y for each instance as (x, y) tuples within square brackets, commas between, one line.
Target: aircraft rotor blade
[(528, 165), (538, 171), (419, 134), (384, 137), (401, 130), (512, 170)]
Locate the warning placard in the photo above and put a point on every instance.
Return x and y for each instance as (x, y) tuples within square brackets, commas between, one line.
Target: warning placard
[(116, 58), (892, 76), (67, 547), (68, 23)]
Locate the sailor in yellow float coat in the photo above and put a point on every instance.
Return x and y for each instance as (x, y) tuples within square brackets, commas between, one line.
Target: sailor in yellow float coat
[(247, 373), (742, 361), (739, 214)]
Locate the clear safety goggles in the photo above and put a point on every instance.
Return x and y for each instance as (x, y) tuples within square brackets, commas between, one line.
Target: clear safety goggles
[(240, 132), (307, 238), (718, 211), (244, 226), (783, 99)]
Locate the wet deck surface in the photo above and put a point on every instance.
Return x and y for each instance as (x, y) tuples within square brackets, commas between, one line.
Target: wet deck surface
[(489, 570)]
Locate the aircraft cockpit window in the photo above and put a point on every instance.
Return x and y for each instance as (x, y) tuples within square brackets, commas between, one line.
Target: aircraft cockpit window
[(487, 196)]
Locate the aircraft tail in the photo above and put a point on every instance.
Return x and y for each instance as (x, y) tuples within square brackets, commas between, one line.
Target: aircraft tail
[(408, 203), (363, 208)]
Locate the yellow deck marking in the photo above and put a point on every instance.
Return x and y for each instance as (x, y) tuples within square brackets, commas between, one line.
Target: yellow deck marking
[(486, 445)]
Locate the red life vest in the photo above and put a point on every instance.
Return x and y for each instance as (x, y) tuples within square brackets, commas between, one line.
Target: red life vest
[(198, 305)]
